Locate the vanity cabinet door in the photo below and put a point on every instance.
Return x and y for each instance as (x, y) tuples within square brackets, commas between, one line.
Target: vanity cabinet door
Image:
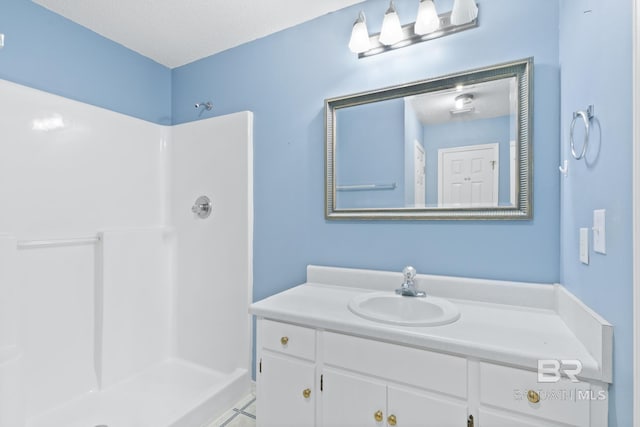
[(350, 400), (411, 408), (519, 391), (285, 392), (490, 418)]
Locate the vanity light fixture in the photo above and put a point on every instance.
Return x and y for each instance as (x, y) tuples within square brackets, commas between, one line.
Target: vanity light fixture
[(427, 20), (464, 11), (391, 32), (359, 41), (428, 26)]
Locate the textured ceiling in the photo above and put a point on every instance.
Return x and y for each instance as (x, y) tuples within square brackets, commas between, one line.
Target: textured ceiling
[(176, 32)]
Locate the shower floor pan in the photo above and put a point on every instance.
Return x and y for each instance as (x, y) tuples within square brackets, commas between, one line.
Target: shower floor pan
[(172, 394)]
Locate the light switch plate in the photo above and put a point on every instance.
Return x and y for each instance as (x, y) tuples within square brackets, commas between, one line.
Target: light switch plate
[(599, 240), (584, 245), (1, 40)]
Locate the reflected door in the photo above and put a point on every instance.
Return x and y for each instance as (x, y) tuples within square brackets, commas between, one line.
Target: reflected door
[(420, 164), (468, 176)]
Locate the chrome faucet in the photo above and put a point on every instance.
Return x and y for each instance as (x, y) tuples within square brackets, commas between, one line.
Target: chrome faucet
[(408, 288)]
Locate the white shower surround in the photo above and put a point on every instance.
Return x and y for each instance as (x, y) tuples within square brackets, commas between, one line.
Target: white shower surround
[(149, 327)]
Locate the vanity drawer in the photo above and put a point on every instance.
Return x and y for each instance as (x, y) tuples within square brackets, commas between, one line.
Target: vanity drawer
[(508, 388), (420, 368), (288, 339)]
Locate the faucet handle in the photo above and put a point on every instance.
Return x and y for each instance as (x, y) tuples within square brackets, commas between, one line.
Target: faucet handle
[(409, 273)]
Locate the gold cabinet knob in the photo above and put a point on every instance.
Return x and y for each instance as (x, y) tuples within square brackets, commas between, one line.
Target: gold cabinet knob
[(378, 416), (533, 396), (306, 393), (284, 340), (391, 420)]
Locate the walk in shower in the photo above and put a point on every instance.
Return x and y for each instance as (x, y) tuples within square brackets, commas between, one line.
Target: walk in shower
[(120, 305)]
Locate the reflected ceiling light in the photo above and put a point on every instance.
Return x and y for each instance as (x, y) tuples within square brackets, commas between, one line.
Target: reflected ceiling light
[(428, 26), (391, 32), (462, 101), (359, 41), (462, 110), (427, 20), (464, 11)]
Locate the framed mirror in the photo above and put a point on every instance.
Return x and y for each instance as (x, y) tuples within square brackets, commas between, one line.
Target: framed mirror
[(451, 147)]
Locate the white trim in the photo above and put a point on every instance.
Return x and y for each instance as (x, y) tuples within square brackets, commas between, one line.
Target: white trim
[(250, 232), (636, 214), (418, 146)]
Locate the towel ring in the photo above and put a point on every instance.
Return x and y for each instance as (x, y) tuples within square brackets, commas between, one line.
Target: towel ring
[(586, 118)]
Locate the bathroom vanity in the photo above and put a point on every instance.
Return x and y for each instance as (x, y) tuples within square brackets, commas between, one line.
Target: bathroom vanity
[(320, 364)]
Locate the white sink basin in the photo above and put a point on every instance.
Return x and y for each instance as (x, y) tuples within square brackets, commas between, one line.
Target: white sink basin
[(386, 307)]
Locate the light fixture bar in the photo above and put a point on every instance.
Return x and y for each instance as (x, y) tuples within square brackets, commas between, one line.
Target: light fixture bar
[(410, 37)]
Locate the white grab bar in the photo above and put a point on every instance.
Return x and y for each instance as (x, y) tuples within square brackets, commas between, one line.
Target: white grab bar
[(33, 244), (364, 187)]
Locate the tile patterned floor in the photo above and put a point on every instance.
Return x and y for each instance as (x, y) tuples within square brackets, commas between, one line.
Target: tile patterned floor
[(243, 414)]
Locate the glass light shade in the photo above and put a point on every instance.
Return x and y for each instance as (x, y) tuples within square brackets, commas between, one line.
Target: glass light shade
[(391, 32), (359, 41), (462, 101), (464, 11), (427, 20)]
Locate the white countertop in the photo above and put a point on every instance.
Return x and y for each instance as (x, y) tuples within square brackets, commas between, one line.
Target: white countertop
[(510, 334)]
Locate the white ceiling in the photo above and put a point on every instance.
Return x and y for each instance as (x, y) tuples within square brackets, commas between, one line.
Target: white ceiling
[(490, 99), (176, 32)]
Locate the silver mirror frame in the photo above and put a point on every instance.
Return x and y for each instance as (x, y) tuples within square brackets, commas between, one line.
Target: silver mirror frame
[(521, 69)]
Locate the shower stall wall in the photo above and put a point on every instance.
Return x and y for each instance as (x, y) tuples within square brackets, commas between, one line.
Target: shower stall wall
[(118, 305)]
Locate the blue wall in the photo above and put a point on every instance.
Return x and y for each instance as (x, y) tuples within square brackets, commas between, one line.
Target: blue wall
[(284, 79), (598, 72), (370, 150), (48, 52), (462, 133)]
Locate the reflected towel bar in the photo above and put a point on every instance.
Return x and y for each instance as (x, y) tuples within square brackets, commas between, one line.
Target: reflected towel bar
[(32, 244), (364, 187)]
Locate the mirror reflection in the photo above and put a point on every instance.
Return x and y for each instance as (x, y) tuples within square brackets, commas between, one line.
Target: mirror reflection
[(450, 147)]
